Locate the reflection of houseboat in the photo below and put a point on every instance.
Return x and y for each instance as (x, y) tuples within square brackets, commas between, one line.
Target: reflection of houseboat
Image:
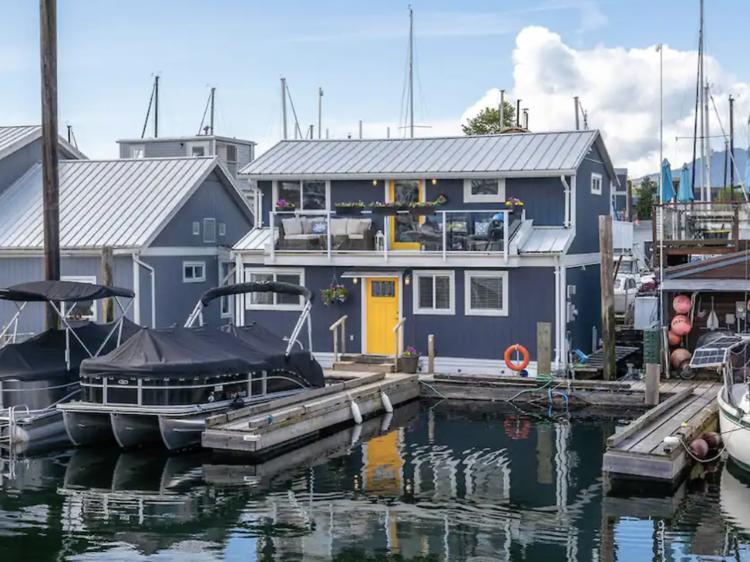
[(41, 372), (163, 384)]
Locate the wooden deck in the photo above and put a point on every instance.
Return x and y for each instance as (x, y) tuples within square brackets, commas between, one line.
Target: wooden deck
[(268, 429), (639, 452)]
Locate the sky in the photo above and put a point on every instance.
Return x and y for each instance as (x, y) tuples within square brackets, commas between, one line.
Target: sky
[(541, 51)]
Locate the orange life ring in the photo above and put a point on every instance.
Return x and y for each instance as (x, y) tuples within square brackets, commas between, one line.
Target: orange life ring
[(525, 354), (517, 428)]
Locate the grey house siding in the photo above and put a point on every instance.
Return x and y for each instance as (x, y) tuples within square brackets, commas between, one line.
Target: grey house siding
[(19, 162), (588, 302), (589, 206), (531, 300), (166, 149), (21, 270), (210, 200)]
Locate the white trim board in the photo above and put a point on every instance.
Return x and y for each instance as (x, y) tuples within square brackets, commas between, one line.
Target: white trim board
[(407, 259), (182, 251), (578, 260)]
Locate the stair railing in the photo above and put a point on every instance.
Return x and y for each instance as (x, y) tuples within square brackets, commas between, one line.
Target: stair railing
[(339, 324), (398, 332)]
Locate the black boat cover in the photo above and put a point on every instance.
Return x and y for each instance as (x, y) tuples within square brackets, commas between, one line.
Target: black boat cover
[(61, 291), (193, 352), (267, 287), (43, 356)]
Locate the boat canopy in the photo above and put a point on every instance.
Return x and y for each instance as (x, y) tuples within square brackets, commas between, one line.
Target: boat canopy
[(43, 356), (267, 287), (203, 352), (61, 291)]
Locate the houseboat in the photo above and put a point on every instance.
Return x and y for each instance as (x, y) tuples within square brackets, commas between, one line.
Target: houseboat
[(38, 373), (471, 240), (162, 384)]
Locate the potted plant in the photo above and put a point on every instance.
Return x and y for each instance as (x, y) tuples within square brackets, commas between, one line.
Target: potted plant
[(347, 208), (409, 360), (335, 293), (284, 205), (512, 203), (383, 208), (422, 208)]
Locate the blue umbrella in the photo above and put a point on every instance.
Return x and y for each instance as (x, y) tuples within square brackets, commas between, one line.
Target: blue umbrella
[(747, 172), (685, 192), (667, 189)]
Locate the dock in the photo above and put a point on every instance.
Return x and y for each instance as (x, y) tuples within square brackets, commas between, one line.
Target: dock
[(269, 429), (639, 452)]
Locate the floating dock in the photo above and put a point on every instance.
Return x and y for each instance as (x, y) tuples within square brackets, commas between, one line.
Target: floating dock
[(639, 451), (268, 429)]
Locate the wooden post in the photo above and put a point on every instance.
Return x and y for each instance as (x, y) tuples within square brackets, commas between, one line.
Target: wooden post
[(51, 180), (343, 337), (431, 354), (608, 297), (335, 344), (543, 348), (108, 266), (652, 384)]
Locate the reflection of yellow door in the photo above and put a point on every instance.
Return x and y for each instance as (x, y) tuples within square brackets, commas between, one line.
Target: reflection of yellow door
[(383, 464), (405, 191), (382, 315)]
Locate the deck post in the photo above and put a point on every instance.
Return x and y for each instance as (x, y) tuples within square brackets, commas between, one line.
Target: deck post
[(335, 345), (543, 348), (608, 296), (431, 354), (108, 266), (652, 384)]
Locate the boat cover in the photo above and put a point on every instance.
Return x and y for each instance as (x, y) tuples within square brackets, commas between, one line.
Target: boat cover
[(62, 291), (267, 287), (43, 356), (193, 352)]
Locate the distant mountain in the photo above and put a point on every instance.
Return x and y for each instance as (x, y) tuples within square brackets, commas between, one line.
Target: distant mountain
[(717, 168)]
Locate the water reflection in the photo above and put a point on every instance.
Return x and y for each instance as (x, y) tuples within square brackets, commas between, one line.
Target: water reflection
[(444, 482)]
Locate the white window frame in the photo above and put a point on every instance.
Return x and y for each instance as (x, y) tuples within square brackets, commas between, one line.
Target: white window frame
[(206, 230), (136, 147), (186, 264), (249, 305), (469, 197), (468, 311), (451, 311), (196, 228), (223, 282), (222, 229), (82, 279), (275, 191), (594, 177), (189, 148)]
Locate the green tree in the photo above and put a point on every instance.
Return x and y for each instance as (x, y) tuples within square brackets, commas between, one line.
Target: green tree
[(646, 193), (488, 121), (729, 194)]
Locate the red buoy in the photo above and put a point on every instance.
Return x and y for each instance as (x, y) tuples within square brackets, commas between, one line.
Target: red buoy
[(712, 439), (699, 448)]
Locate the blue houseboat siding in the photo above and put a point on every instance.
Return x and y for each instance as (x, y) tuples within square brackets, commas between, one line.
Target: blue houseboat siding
[(587, 300)]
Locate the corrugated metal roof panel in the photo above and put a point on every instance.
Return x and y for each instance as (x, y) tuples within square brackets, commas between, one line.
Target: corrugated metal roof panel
[(546, 240), (12, 136), (256, 240), (509, 153), (119, 203)]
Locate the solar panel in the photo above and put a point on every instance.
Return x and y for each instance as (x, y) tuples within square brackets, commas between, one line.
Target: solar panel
[(714, 354)]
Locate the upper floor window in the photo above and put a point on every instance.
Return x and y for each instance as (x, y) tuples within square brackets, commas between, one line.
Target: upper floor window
[(195, 149), (596, 184), (137, 151), (209, 231), (484, 190), (304, 195)]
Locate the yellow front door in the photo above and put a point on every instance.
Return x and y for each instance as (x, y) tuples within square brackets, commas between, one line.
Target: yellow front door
[(382, 315)]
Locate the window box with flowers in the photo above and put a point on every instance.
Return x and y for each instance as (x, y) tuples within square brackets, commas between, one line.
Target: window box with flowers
[(284, 205), (513, 204), (353, 208), (409, 361), (336, 293), (422, 208), (386, 208)]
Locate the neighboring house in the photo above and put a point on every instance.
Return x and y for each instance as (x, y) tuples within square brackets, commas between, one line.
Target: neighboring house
[(170, 221), (21, 148), (476, 275), (619, 195)]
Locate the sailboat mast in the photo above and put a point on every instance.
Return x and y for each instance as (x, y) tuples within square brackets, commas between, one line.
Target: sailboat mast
[(702, 109), (707, 149), (411, 73)]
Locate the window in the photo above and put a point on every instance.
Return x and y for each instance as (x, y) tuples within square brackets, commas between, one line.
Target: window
[(222, 229), (193, 272), (231, 154), (304, 195), (226, 278), (83, 310), (486, 293), (197, 149), (196, 228), (596, 184), (274, 301), (484, 190), (138, 151), (434, 292), (209, 231)]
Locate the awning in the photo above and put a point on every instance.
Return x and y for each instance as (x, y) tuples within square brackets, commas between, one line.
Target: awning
[(736, 285), (62, 291), (356, 274)]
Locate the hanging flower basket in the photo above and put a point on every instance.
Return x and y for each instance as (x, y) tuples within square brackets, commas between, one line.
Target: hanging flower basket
[(350, 209), (335, 294), (284, 205), (513, 204)]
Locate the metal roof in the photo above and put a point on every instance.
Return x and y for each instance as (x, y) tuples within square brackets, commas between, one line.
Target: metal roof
[(519, 155), (255, 240), (188, 138), (119, 203), (546, 240), (16, 137)]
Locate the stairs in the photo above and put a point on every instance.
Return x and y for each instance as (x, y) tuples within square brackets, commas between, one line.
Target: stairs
[(365, 364)]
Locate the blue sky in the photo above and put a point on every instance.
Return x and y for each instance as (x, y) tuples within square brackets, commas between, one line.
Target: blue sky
[(356, 51)]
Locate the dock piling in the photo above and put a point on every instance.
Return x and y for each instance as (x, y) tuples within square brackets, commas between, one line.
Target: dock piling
[(652, 384)]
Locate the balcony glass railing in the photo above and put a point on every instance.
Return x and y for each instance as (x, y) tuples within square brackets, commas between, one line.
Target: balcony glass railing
[(715, 223), (368, 232)]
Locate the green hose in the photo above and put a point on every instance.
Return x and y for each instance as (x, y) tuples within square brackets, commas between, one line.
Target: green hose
[(547, 379)]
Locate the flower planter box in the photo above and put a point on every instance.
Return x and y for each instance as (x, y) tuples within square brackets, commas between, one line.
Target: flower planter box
[(348, 211), (408, 365), (384, 210), (421, 211), (285, 209)]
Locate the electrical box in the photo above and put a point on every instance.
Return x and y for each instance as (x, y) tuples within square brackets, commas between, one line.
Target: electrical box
[(571, 290)]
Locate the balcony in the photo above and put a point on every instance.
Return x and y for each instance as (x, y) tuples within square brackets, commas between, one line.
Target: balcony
[(403, 234)]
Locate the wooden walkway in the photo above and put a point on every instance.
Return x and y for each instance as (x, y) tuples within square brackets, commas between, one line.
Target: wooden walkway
[(638, 451)]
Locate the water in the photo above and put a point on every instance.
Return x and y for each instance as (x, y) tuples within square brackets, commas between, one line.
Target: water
[(435, 482)]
